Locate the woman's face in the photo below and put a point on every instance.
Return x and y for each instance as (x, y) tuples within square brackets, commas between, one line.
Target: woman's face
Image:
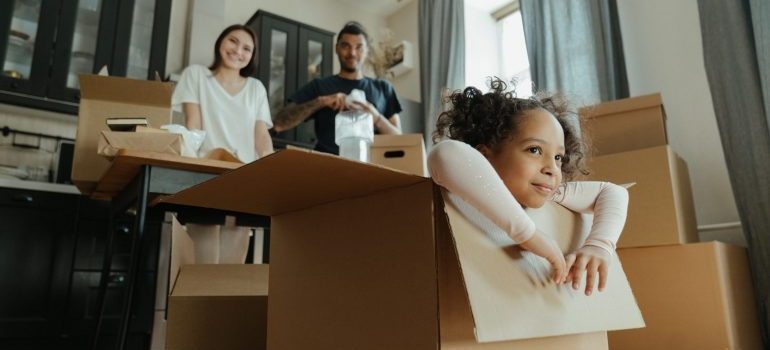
[(529, 163), (236, 49)]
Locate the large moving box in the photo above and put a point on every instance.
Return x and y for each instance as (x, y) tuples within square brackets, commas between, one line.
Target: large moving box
[(364, 257), (626, 125), (661, 209), (105, 97), (693, 296), (401, 152)]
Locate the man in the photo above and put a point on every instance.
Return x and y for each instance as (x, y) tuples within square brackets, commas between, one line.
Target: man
[(323, 98)]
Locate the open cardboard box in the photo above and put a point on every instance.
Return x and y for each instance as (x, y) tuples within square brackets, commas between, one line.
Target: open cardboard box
[(693, 297), (364, 257), (105, 97), (661, 209), (213, 306), (626, 124), (402, 152)]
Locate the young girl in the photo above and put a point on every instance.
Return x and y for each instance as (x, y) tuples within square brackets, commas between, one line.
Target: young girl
[(504, 154), (231, 106)]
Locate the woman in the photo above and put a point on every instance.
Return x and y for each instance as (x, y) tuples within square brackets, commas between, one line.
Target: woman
[(232, 108)]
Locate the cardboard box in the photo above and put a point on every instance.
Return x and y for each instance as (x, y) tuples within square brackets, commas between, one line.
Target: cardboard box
[(361, 257), (625, 125), (105, 97), (218, 307), (660, 209), (401, 152), (693, 296), (111, 142)]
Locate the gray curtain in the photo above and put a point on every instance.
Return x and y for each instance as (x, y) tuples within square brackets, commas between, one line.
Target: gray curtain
[(735, 52), (442, 55), (575, 47)]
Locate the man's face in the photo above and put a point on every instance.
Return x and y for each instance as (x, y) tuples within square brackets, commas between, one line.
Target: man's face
[(351, 51)]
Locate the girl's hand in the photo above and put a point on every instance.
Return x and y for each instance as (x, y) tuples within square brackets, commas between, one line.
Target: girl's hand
[(545, 247), (588, 260)]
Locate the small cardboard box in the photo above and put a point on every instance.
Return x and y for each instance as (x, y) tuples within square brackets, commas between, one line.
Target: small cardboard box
[(105, 97), (625, 125), (365, 257), (693, 296), (400, 152), (218, 307), (111, 142), (661, 209)]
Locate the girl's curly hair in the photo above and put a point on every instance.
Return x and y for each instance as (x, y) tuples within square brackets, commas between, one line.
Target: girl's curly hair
[(491, 118)]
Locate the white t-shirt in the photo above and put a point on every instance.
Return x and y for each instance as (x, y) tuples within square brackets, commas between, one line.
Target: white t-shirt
[(228, 120)]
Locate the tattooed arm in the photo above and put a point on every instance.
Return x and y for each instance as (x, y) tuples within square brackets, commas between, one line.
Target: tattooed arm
[(293, 114)]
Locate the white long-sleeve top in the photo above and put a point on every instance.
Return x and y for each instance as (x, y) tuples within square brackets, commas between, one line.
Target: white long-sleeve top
[(466, 173)]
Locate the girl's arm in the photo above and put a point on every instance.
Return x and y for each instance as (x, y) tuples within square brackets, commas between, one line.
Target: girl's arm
[(609, 204), (464, 171), (262, 141)]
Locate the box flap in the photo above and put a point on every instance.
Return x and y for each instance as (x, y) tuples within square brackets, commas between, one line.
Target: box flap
[(221, 280), (132, 91), (510, 292), (405, 140), (623, 105), (289, 180)]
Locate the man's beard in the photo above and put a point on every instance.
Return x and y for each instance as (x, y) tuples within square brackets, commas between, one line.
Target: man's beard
[(348, 69)]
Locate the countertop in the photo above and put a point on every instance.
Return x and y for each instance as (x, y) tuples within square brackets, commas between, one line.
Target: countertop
[(38, 186)]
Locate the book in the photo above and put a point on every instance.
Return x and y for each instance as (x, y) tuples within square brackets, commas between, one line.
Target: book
[(125, 124)]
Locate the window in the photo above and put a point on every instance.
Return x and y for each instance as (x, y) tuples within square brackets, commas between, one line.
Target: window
[(514, 62)]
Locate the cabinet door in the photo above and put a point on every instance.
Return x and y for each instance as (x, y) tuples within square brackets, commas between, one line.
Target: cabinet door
[(277, 59), (23, 37), (83, 45), (314, 61), (36, 245), (141, 38)]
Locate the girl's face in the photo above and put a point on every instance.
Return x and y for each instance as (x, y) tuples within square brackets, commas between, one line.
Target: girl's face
[(236, 49), (530, 162)]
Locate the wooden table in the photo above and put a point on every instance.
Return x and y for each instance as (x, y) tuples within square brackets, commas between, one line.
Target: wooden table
[(129, 182)]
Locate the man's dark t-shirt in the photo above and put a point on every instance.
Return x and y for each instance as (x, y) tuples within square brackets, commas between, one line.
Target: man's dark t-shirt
[(378, 92)]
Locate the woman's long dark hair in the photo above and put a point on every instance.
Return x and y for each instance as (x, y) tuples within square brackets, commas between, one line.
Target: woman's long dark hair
[(252, 66)]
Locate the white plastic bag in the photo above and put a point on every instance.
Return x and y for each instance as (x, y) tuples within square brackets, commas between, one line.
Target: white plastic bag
[(193, 139)]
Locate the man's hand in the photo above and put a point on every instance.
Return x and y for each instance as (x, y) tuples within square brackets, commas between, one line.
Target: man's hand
[(545, 247), (334, 101), (588, 260), (366, 107)]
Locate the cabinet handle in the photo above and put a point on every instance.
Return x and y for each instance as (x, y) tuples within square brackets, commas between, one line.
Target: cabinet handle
[(116, 279), (23, 198), (122, 229)]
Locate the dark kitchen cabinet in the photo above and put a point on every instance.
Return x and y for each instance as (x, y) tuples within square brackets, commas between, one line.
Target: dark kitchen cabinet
[(37, 239), (291, 54), (46, 44), (52, 247)]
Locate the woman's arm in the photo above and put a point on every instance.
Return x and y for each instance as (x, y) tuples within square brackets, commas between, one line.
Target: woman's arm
[(263, 144), (192, 116)]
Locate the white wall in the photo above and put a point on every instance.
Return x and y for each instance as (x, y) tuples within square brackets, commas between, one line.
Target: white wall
[(663, 51), (482, 49), (404, 26)]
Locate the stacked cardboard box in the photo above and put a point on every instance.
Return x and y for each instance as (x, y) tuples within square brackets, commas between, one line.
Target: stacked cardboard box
[(692, 295)]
